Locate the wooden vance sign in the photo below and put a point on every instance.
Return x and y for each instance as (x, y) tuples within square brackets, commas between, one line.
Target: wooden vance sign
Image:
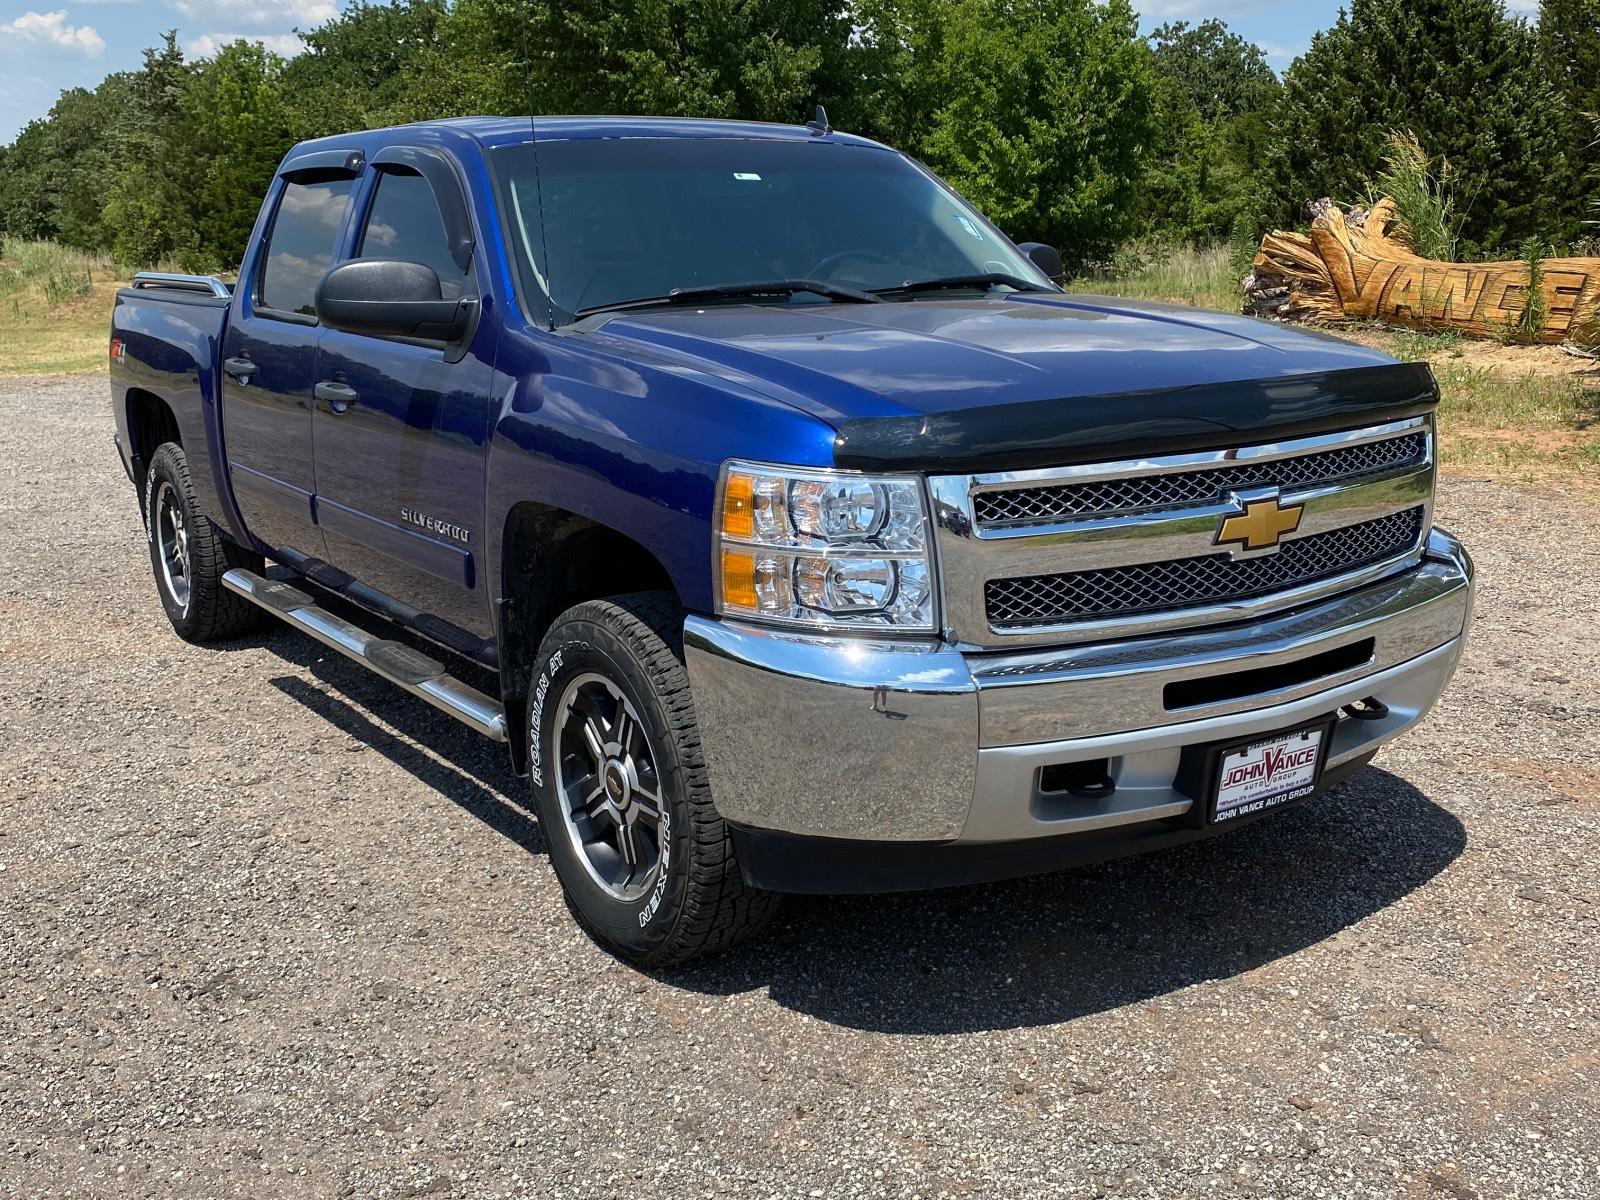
[(1344, 271)]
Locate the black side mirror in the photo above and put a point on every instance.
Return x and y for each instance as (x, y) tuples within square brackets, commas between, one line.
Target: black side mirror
[(1046, 258), (389, 298)]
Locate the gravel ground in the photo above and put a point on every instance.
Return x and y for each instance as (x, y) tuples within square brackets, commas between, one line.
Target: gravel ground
[(274, 929)]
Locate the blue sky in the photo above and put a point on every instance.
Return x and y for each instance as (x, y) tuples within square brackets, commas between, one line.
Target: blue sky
[(48, 45)]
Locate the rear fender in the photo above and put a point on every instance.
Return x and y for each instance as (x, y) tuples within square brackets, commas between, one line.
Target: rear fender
[(169, 347)]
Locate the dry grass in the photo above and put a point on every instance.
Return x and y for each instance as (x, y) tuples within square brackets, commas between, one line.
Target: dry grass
[(1202, 276), (1523, 413), (55, 308), (1534, 428)]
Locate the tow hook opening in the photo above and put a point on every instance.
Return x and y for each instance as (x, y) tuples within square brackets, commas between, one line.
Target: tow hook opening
[(1089, 780), (1370, 709)]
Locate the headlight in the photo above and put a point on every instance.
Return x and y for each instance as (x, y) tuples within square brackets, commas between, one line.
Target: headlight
[(823, 548)]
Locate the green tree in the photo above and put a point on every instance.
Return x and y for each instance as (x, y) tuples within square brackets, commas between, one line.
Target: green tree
[(897, 80), (26, 187), (1214, 91), (1218, 72), (477, 63), (84, 129), (1465, 79), (756, 59), (1569, 35), (1041, 111), (358, 68), (54, 185), (234, 116), (148, 212)]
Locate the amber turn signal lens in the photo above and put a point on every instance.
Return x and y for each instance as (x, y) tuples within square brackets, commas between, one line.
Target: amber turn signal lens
[(738, 509), (739, 576)]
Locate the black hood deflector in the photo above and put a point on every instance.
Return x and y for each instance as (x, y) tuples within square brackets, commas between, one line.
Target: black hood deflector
[(1052, 433)]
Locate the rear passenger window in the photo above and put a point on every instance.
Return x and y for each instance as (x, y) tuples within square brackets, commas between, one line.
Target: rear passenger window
[(300, 249), (405, 224)]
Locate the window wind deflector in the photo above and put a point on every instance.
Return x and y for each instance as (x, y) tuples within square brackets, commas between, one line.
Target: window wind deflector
[(952, 283), (735, 291), (323, 164), (433, 166)]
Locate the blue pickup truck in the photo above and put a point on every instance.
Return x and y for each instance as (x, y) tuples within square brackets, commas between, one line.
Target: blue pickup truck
[(790, 526)]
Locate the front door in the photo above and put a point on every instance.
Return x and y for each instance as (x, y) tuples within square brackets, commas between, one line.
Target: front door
[(269, 366), (401, 430)]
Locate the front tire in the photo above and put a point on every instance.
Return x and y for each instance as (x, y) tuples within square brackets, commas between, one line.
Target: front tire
[(189, 555), (646, 864)]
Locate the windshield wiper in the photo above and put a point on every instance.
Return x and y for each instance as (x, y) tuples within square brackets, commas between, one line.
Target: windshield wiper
[(734, 291), (986, 280)]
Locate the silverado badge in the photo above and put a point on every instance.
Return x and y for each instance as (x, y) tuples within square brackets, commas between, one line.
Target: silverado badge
[(1261, 520)]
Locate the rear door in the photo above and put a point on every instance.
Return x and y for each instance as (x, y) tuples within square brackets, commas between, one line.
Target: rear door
[(401, 426), (269, 357)]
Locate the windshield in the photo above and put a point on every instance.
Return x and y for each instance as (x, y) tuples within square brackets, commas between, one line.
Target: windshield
[(630, 218)]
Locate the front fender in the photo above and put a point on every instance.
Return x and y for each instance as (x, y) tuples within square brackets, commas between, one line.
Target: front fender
[(632, 446)]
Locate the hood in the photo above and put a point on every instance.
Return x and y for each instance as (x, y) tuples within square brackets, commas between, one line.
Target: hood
[(987, 378)]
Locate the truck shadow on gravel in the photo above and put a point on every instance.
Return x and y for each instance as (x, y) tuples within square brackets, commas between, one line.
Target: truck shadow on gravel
[(997, 956), (1046, 950), (468, 769)]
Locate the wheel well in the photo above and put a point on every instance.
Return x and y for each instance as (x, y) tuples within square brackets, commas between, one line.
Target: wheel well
[(150, 425), (552, 559)]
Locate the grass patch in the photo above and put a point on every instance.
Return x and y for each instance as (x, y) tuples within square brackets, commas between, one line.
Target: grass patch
[(55, 308), (1202, 276), (1534, 428), (1412, 346), (1429, 222), (1531, 323)]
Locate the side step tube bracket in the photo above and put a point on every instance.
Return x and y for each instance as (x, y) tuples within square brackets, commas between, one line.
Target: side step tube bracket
[(397, 662)]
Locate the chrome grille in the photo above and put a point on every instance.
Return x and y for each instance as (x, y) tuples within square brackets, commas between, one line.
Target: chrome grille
[(1062, 555), (1030, 505), (1209, 579)]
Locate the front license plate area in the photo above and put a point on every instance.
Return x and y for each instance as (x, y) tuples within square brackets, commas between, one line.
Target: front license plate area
[(1236, 780)]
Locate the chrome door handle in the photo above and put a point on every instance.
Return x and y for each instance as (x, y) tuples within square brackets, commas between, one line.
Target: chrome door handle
[(240, 368), (339, 396)]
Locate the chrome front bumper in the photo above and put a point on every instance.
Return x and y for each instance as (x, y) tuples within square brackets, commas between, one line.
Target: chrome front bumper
[(887, 741)]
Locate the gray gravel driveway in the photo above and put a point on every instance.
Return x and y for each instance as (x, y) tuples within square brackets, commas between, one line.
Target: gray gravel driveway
[(273, 929)]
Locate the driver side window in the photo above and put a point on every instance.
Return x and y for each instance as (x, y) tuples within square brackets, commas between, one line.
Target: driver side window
[(404, 223), (301, 244)]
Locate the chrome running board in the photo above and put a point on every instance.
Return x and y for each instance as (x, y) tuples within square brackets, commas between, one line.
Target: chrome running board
[(395, 661)]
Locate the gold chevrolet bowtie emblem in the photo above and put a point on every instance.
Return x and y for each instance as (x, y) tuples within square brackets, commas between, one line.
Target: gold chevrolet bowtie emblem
[(1260, 525)]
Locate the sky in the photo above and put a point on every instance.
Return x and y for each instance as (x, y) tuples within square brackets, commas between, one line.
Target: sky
[(49, 45)]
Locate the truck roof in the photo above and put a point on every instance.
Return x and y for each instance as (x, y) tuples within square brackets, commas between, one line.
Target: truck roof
[(493, 132)]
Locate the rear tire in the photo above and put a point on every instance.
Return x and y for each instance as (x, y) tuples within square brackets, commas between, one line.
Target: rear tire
[(618, 778), (189, 555)]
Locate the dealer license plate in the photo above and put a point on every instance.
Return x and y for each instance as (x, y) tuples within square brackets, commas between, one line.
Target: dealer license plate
[(1268, 773)]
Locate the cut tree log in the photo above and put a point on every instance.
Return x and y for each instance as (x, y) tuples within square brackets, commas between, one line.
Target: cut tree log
[(1358, 267)]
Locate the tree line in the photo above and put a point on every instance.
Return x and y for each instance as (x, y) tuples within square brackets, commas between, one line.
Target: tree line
[(1055, 116)]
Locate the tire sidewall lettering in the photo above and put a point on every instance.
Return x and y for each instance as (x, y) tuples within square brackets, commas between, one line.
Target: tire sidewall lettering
[(663, 871), (150, 506), (536, 705)]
